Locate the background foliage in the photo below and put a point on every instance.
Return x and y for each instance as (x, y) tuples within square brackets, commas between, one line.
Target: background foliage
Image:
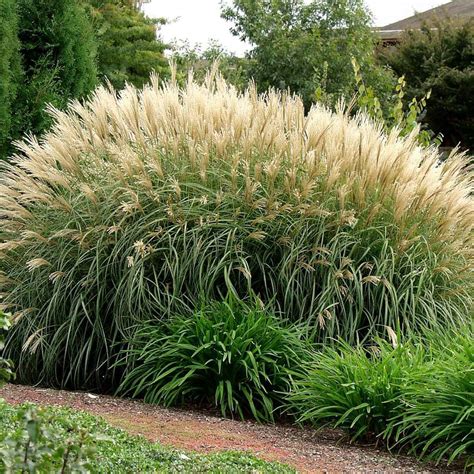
[(308, 46), (128, 47), (53, 51), (9, 71), (200, 60), (58, 51), (440, 58)]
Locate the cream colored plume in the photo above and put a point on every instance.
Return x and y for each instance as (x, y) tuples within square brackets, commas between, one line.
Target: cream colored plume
[(136, 135)]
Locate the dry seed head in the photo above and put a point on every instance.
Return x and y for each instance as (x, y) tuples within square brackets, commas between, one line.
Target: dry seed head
[(55, 276), (374, 280), (33, 342), (35, 263), (393, 336)]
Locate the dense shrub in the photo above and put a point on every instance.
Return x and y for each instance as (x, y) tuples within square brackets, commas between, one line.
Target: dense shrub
[(358, 389), (439, 57), (128, 49), (238, 357), (57, 49), (134, 207), (9, 69)]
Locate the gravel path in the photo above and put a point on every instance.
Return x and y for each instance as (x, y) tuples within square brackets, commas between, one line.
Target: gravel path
[(305, 449)]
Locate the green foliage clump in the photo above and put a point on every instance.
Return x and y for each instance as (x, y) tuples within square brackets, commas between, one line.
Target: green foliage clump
[(57, 48), (439, 57), (64, 440), (436, 418), (128, 47), (136, 206), (307, 47), (6, 373), (355, 388), (417, 396), (9, 70), (237, 356)]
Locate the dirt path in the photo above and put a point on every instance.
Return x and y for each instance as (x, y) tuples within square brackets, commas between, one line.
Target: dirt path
[(305, 449)]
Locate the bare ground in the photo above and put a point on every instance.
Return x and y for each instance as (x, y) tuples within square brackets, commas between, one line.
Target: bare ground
[(305, 449)]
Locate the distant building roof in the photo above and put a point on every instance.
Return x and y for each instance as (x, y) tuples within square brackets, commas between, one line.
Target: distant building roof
[(457, 9), (463, 9)]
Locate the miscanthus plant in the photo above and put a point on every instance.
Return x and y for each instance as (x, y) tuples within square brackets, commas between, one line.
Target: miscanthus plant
[(137, 204)]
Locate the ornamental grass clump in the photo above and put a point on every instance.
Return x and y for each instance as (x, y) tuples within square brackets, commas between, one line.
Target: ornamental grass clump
[(137, 204), (415, 395)]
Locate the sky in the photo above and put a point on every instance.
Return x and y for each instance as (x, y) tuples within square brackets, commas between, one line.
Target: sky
[(198, 21)]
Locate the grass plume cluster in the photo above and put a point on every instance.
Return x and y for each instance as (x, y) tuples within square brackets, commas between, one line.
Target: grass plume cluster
[(136, 205)]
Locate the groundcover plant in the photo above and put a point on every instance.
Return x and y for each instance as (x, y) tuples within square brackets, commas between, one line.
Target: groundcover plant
[(55, 439), (136, 205)]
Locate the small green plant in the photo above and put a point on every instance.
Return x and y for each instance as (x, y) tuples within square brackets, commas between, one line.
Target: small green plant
[(235, 355), (436, 420), (397, 114), (355, 388), (6, 366), (439, 57)]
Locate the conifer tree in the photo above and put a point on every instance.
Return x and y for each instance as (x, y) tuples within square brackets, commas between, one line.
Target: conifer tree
[(58, 57), (129, 49), (9, 70)]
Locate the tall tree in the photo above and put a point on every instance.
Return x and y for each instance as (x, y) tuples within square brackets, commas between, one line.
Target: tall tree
[(305, 46), (9, 70), (58, 57), (129, 49)]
